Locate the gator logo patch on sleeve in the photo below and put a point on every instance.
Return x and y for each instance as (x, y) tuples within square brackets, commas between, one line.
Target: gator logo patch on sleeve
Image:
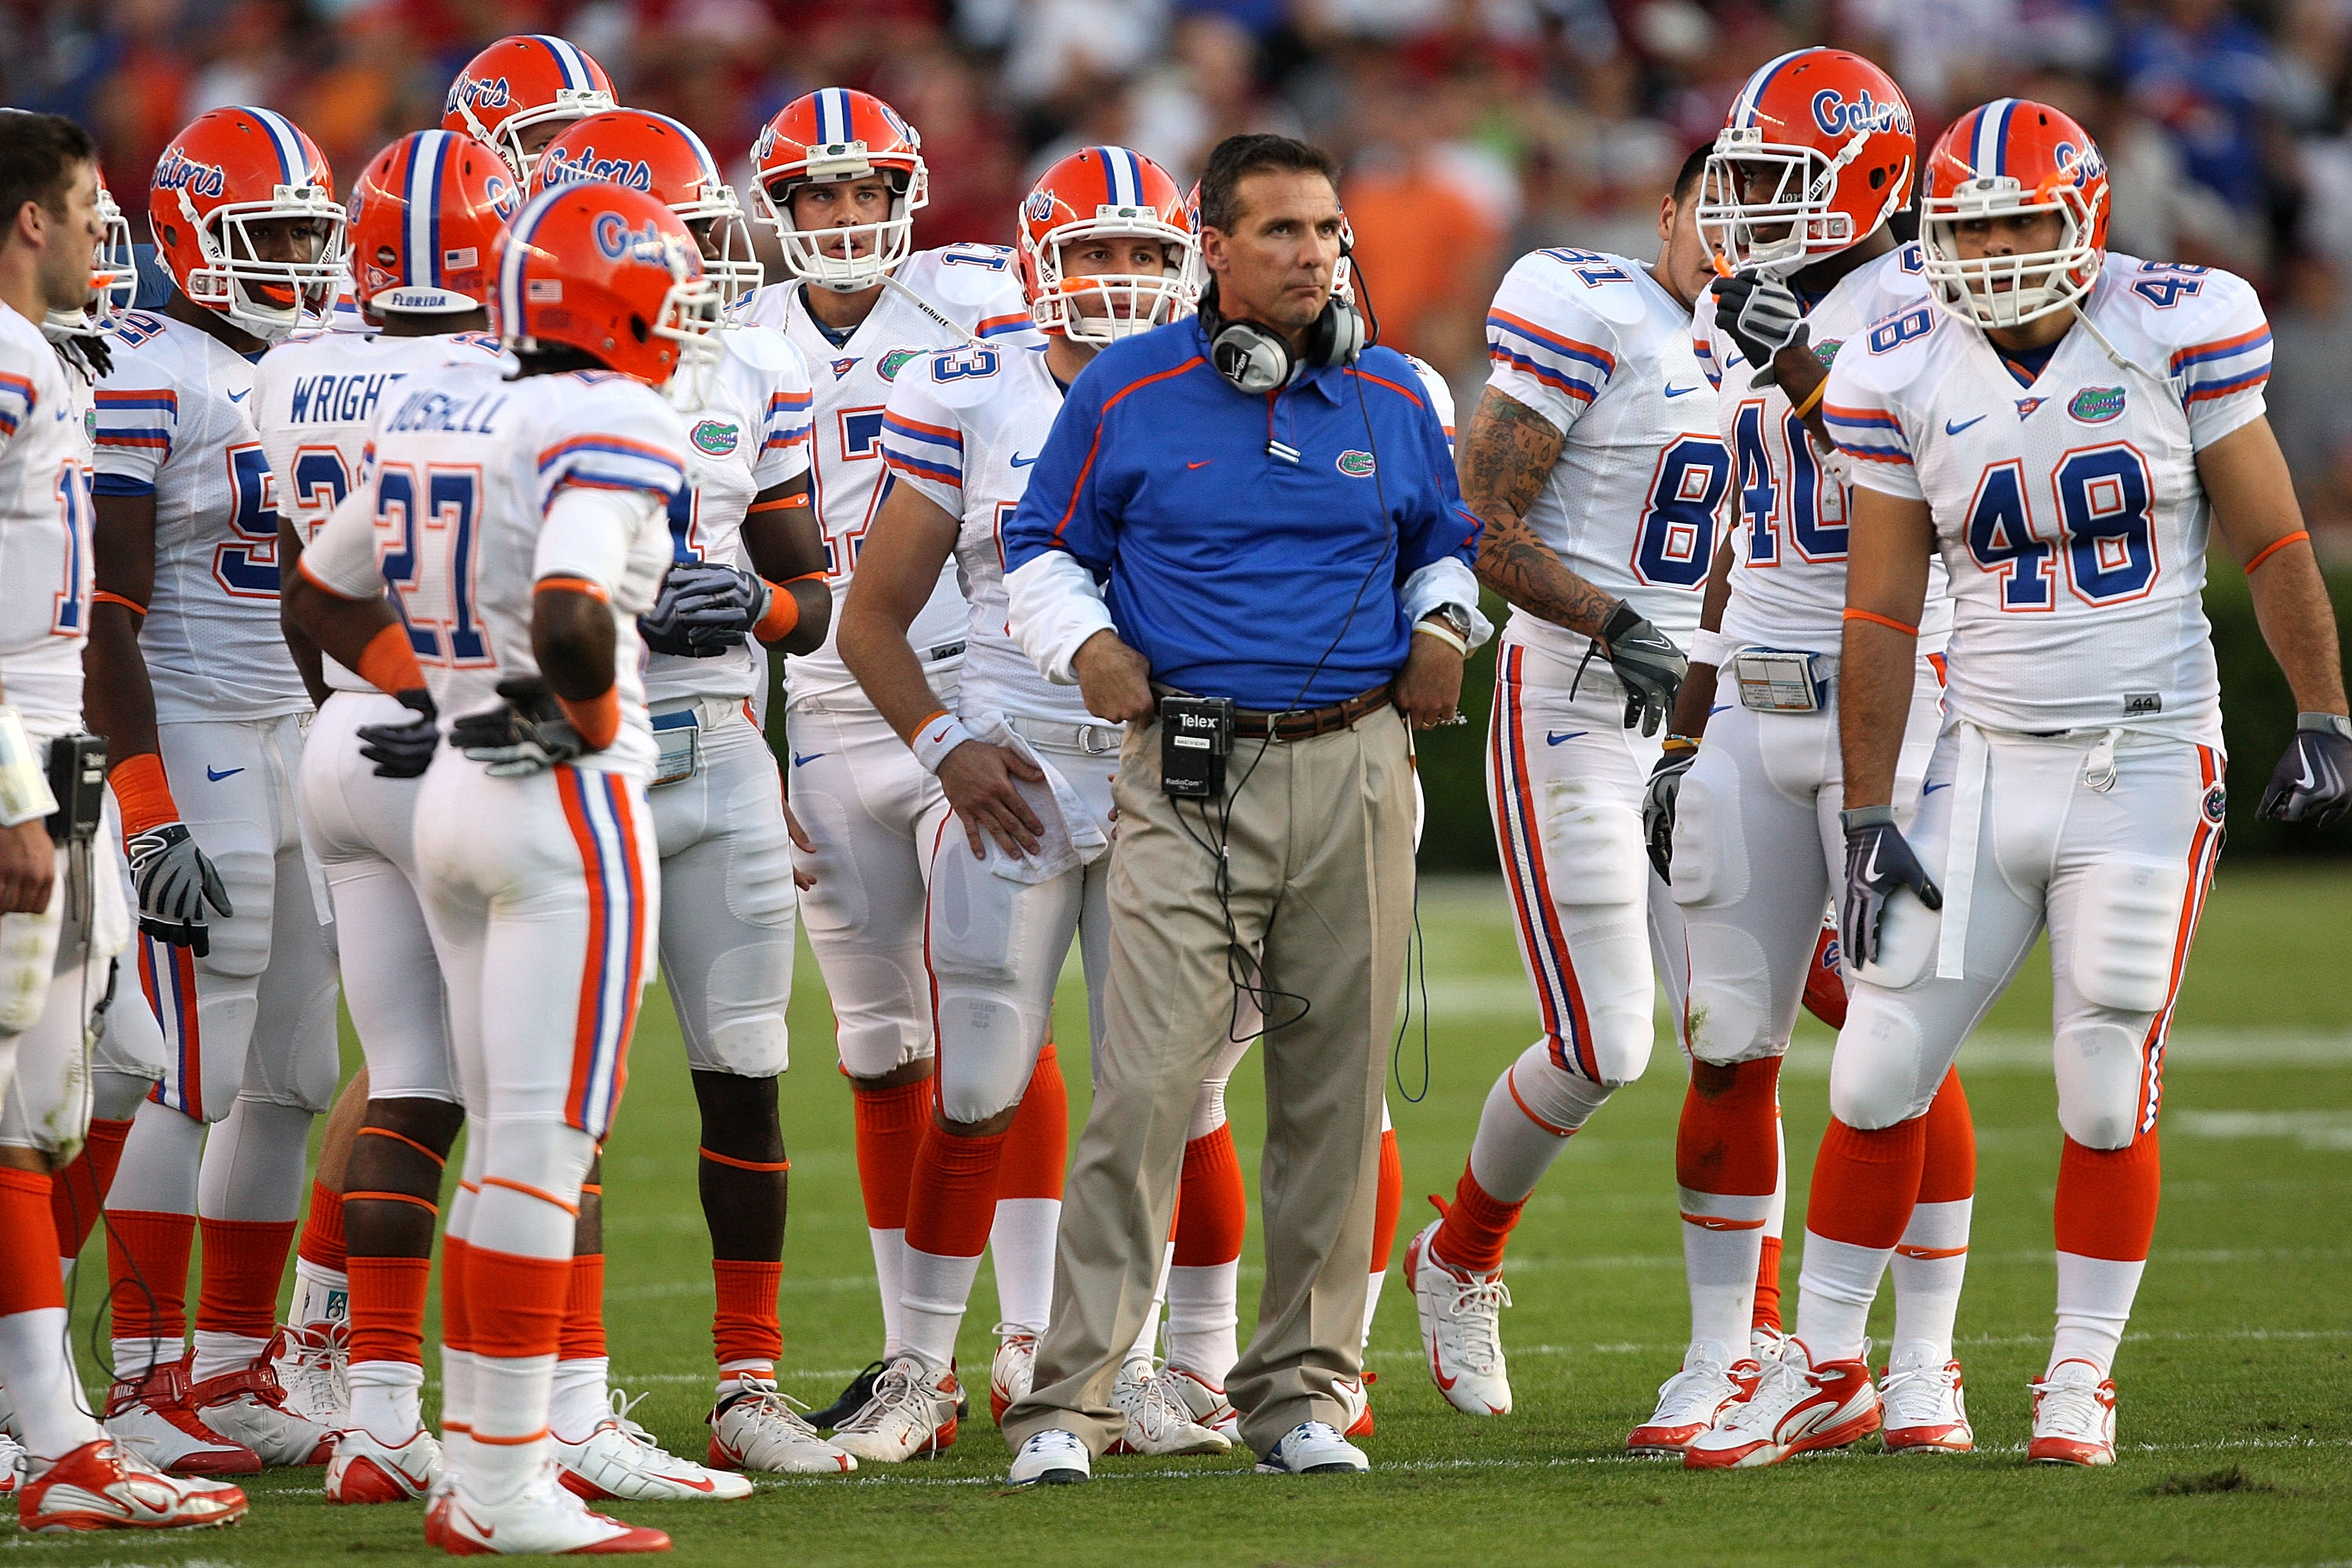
[(716, 437)]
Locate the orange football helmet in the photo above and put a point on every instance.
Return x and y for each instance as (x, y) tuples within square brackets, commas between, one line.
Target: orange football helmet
[(426, 221), (1102, 192), (2010, 158), (832, 135), (1817, 152), (611, 272), (229, 172), (653, 153), (519, 82)]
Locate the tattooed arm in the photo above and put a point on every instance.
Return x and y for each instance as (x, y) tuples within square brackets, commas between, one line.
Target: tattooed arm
[(1504, 462)]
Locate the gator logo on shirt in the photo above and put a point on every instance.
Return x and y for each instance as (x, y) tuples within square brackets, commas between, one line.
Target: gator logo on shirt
[(1356, 465), (2095, 404), (1828, 351), (89, 423), (2217, 804), (715, 438), (896, 360)]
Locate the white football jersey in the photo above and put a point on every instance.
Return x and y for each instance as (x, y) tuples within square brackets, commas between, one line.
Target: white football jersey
[(978, 286), (45, 517), (2068, 511), (315, 398), (1596, 345), (466, 464), (751, 435), (174, 421), (1789, 500)]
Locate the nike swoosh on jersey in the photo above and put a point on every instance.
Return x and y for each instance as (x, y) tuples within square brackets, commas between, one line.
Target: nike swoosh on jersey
[(802, 761), (1202, 463), (1951, 429), (1930, 789), (239, 396), (1553, 738), (225, 773), (1021, 462), (1673, 391)]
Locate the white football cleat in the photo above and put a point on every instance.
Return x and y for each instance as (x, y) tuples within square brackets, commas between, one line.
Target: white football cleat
[(1356, 1393), (313, 1366), (620, 1460), (1204, 1402), (912, 1413), (1925, 1410), (12, 1462), (1461, 1329), (1689, 1401), (2073, 1416), (1013, 1372), (1052, 1458), (366, 1468), (1158, 1417), (151, 1416), (543, 1519), (1314, 1449), (1795, 1408), (756, 1428), (247, 1406), (105, 1485)]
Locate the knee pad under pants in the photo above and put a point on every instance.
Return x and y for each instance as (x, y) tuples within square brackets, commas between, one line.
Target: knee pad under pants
[(530, 1171)]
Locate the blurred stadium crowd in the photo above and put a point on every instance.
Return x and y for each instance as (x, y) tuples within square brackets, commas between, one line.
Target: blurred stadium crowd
[(1472, 129)]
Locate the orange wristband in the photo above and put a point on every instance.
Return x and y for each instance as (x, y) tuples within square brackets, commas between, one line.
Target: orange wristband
[(143, 793), (389, 664), (1889, 622), (595, 590), (2275, 546), (100, 596), (597, 718), (781, 503), (783, 613)]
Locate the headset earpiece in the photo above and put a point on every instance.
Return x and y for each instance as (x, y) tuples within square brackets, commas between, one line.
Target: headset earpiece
[(1258, 361)]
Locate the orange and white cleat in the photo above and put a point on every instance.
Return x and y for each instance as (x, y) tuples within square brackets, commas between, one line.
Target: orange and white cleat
[(1461, 1328), (1159, 1418), (366, 1469), (249, 1407), (1796, 1408), (313, 1364), (1925, 1410), (152, 1416), (12, 1464), (620, 1460), (2073, 1416), (757, 1428), (1010, 1374), (1689, 1402), (105, 1485), (543, 1520), (1204, 1400), (1357, 1392), (911, 1413)]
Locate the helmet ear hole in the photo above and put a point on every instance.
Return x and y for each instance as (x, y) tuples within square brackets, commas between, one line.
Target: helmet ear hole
[(639, 330), (1877, 178)]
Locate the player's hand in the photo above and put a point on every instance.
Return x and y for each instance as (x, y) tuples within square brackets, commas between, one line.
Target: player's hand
[(403, 751), (2313, 783), (175, 881), (704, 609), (1115, 679), (1428, 690), (1877, 862), (802, 879), (28, 867), (1649, 665), (977, 779), (1658, 801), (525, 734), (1761, 313)]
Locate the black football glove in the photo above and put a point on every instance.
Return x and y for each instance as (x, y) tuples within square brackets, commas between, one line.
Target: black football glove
[(1761, 313), (704, 609), (175, 881), (1877, 862), (2313, 783), (1648, 663), (403, 751), (1658, 801), (526, 733)]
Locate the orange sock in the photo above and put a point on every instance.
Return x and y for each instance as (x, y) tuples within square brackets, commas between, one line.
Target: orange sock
[(517, 1306), (30, 1237), (78, 1192), (1037, 1149), (237, 1289), (456, 1315), (147, 1273), (890, 1123), (745, 1330), (1864, 1183), (1725, 1141), (1388, 1203), (953, 1199), (1768, 1286), (322, 1232), (1948, 1170), (1475, 1228), (1212, 1206), (388, 1308), (583, 1310), (2108, 1198)]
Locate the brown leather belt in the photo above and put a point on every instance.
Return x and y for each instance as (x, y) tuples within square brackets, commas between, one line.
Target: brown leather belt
[(1305, 723)]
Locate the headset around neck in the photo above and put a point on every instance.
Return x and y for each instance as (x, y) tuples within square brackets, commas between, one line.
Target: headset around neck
[(1256, 360)]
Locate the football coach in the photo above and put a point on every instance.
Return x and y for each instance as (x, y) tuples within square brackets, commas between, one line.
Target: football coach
[(1244, 541)]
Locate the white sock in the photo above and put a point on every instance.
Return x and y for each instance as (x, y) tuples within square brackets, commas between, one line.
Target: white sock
[(384, 1399), (1148, 1340), (218, 1354), (1720, 1263), (1834, 1292), (931, 1302), (1927, 1287), (511, 1402), (37, 1372), (322, 1295), (2094, 1302), (1526, 1122), (1372, 1301), (1021, 1244), (457, 1409), (134, 1359), (891, 1276), (579, 1396), (1203, 1312)]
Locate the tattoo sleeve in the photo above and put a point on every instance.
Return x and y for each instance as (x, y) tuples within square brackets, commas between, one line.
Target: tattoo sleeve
[(1504, 462)]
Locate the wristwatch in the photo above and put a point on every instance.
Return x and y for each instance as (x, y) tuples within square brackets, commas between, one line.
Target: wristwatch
[(1454, 616)]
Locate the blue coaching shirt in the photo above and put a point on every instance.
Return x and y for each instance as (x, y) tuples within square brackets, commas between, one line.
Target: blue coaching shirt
[(1232, 569)]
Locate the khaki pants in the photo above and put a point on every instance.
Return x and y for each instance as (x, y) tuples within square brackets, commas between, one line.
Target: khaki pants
[(1320, 841)]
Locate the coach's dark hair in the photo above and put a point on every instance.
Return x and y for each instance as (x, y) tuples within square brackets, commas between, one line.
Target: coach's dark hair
[(1236, 158), (1687, 178), (37, 153)]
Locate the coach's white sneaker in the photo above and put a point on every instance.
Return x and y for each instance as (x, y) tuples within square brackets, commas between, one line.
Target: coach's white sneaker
[(1010, 1374), (1461, 1329), (1052, 1458), (912, 1411), (1689, 1401), (312, 1361), (1796, 1408), (1925, 1411), (1314, 1449), (620, 1460), (1158, 1417), (542, 1520), (756, 1428), (1203, 1401), (366, 1468), (105, 1485), (151, 1416), (2073, 1416), (247, 1406)]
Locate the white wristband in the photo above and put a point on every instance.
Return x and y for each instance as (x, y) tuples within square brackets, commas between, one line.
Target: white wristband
[(24, 782), (1709, 648), (940, 734), (1444, 634)]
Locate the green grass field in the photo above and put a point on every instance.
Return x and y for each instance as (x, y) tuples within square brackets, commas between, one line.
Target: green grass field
[(2236, 1381)]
